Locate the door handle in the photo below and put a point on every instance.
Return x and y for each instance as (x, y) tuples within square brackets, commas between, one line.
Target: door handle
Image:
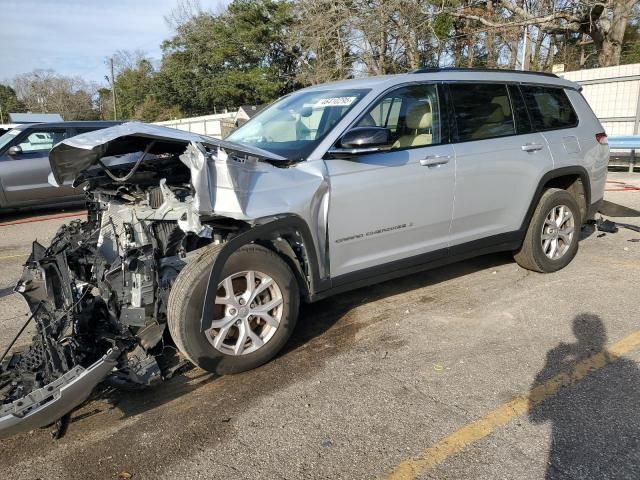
[(532, 147), (435, 160)]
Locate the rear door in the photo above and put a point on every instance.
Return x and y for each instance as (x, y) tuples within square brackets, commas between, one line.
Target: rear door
[(24, 176), (499, 161), (553, 115)]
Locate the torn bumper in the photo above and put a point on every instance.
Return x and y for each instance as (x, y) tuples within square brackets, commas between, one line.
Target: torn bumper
[(49, 403)]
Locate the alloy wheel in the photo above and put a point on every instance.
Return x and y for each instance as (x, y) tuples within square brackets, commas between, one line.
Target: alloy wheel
[(557, 232), (249, 307)]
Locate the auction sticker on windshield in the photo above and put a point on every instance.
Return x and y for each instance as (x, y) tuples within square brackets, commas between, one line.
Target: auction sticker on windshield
[(335, 102)]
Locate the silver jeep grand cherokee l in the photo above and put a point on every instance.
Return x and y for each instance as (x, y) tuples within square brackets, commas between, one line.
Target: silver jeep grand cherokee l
[(210, 245)]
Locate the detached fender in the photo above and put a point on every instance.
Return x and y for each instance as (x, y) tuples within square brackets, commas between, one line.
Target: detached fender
[(289, 224)]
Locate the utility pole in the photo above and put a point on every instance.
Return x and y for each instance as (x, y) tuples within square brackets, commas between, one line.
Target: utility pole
[(524, 64), (1, 116), (113, 91), (525, 47)]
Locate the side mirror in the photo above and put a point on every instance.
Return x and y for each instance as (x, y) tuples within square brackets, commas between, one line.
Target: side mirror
[(15, 150), (361, 140)]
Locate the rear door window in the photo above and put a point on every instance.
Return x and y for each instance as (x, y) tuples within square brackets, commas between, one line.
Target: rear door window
[(481, 111), (549, 107)]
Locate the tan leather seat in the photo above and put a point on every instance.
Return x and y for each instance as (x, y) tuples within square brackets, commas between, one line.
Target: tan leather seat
[(496, 123), (419, 117)]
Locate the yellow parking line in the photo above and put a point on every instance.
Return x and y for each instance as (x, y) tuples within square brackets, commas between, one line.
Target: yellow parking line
[(477, 430), (14, 256)]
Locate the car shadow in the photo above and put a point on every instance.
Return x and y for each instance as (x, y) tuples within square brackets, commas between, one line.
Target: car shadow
[(611, 209), (326, 319), (5, 292), (595, 423)]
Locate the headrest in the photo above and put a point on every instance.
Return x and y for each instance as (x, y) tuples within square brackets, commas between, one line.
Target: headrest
[(419, 116), (503, 102), (497, 114)]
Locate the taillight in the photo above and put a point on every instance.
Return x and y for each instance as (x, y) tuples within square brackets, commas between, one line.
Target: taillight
[(601, 138)]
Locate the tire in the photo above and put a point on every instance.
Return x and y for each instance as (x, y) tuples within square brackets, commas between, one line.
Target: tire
[(186, 298), (532, 254)]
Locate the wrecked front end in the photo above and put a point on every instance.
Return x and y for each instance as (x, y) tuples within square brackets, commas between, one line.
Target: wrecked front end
[(98, 293), (97, 297)]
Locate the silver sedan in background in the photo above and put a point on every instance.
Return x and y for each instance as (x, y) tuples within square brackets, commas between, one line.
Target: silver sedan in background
[(24, 163)]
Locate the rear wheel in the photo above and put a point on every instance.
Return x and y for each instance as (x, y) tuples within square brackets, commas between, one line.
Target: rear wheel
[(551, 241), (255, 310)]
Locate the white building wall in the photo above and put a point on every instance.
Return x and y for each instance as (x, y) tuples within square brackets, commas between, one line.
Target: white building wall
[(614, 96), (204, 125)]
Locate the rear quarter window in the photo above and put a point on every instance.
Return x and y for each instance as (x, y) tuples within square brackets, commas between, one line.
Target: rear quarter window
[(549, 107)]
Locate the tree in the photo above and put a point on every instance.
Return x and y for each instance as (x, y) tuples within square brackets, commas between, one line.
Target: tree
[(9, 102), (342, 38), (603, 22), (134, 81), (217, 61), (322, 39), (631, 45), (46, 91)]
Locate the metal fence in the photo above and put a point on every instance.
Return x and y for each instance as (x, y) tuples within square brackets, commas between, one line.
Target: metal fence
[(614, 96)]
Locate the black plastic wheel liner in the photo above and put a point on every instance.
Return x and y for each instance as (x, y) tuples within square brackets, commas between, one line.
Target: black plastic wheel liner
[(282, 225)]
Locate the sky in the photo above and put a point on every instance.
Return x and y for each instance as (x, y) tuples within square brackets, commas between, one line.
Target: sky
[(73, 37)]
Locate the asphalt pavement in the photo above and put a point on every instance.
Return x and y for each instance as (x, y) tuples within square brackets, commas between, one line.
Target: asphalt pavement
[(475, 370)]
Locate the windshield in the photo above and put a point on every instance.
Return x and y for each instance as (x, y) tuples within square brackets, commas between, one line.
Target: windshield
[(7, 137), (293, 126)]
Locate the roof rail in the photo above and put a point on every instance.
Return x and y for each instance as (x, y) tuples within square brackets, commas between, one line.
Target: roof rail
[(494, 70)]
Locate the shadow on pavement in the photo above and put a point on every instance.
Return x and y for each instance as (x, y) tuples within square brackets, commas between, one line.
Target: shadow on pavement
[(595, 423), (5, 292), (611, 209)]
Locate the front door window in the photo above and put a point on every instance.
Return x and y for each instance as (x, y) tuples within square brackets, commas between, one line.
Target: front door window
[(412, 114), (42, 140)]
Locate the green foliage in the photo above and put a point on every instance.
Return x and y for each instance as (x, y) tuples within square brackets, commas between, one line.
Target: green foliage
[(152, 110), (133, 84), (631, 45), (442, 25), (222, 61), (9, 102)]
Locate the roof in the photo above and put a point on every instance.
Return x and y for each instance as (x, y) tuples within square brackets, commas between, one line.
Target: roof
[(450, 74), (251, 110), (35, 117), (483, 70), (90, 124)]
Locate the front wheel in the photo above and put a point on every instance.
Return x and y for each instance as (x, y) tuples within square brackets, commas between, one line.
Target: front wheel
[(551, 241), (256, 309)]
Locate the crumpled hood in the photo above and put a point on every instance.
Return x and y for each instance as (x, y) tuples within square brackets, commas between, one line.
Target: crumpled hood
[(231, 180), (72, 156)]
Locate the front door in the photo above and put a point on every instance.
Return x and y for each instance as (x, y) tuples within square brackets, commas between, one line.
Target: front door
[(396, 205)]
